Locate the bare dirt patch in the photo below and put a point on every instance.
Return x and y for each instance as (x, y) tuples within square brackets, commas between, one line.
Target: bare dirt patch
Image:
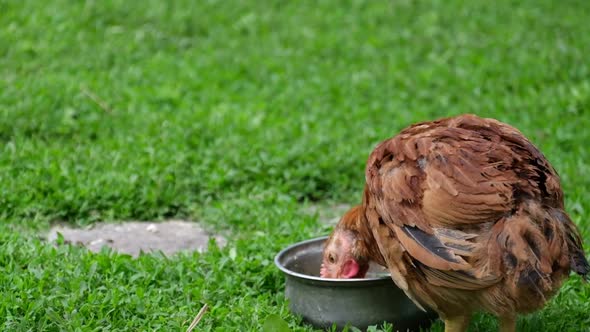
[(134, 237)]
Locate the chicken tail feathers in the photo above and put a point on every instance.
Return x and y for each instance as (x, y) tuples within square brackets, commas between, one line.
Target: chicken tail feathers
[(578, 261), (580, 265)]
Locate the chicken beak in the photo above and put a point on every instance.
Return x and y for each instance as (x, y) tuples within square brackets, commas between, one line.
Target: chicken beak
[(323, 271)]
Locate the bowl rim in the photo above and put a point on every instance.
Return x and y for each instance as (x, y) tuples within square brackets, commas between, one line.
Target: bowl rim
[(285, 270)]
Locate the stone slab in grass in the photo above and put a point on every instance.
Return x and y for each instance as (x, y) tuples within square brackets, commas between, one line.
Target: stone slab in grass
[(133, 237)]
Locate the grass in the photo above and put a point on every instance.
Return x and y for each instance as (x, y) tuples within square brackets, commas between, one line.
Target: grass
[(236, 114)]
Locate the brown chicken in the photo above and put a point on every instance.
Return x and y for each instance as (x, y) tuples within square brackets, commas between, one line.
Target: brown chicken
[(467, 215)]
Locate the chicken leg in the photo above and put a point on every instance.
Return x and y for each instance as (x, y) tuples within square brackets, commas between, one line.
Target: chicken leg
[(457, 323), (508, 324)]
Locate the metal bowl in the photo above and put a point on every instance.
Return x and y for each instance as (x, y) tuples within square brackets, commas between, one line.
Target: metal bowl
[(357, 302)]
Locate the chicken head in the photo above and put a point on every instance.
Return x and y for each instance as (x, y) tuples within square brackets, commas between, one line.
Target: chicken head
[(339, 260)]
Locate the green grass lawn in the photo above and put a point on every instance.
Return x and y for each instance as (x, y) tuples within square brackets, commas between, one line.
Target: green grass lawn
[(237, 114)]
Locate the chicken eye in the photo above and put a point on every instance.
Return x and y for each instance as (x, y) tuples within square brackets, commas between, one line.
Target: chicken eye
[(331, 259)]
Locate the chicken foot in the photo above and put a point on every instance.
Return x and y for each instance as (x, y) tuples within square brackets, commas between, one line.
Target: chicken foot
[(457, 323)]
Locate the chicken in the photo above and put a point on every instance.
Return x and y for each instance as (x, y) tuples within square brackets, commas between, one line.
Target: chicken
[(467, 215)]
